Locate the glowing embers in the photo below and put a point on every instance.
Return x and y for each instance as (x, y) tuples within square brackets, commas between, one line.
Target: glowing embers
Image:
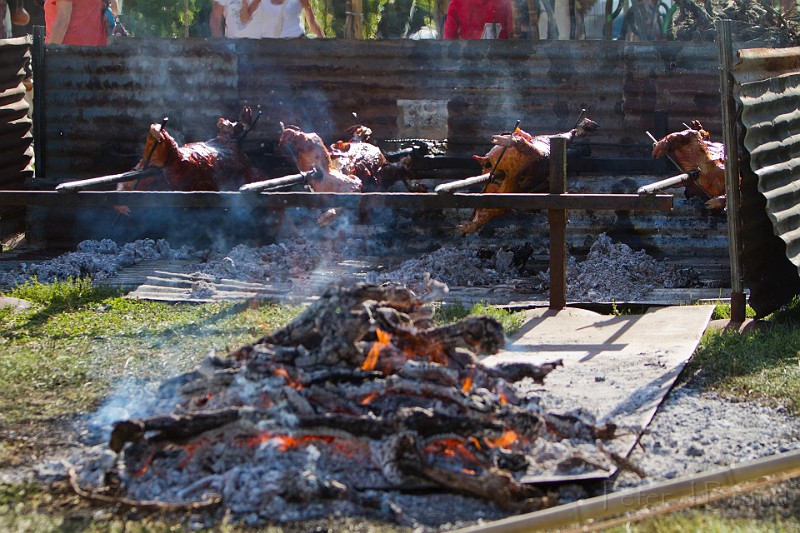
[(360, 392)]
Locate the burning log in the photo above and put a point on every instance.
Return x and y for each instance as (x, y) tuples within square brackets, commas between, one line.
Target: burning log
[(361, 391), (519, 162)]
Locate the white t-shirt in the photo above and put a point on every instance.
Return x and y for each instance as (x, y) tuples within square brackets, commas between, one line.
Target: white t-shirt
[(292, 23), (266, 22)]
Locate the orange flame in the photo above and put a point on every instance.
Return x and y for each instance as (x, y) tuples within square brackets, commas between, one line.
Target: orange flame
[(286, 442), (145, 467), (467, 385), (285, 375), (503, 399), (372, 357), (450, 448), (468, 471), (503, 441), (369, 398)]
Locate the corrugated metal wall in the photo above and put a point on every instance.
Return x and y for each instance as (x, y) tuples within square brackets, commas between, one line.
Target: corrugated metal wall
[(769, 91), (100, 102), (16, 151)]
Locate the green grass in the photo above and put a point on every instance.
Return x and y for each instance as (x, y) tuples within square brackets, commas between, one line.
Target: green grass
[(511, 321), (64, 353), (763, 363)]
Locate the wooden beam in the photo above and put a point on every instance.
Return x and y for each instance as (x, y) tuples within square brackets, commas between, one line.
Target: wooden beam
[(557, 222), (231, 200)]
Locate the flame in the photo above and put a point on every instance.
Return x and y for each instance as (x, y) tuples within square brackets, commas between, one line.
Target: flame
[(286, 442), (145, 467), (285, 375), (468, 471), (369, 397), (503, 398), (450, 447), (475, 442), (383, 341), (503, 441), (190, 448), (467, 385)]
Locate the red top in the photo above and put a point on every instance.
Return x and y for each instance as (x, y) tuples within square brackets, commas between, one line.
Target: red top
[(86, 25), (466, 18)]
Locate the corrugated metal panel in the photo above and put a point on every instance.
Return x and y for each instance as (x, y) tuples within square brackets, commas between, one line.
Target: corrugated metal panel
[(100, 102), (771, 177), (16, 151)]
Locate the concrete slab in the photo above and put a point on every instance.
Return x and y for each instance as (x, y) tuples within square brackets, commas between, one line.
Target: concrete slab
[(618, 368)]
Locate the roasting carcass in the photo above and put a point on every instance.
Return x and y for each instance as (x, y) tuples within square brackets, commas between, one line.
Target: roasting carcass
[(309, 153), (219, 164), (692, 150), (523, 167), (359, 157)]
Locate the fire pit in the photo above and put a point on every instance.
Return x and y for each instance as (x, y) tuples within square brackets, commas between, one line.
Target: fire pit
[(359, 400)]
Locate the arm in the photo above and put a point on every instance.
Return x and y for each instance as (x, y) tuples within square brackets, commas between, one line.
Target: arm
[(246, 14), (63, 16), (215, 20), (114, 7), (311, 20)]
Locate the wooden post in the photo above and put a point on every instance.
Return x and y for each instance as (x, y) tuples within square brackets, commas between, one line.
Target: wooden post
[(738, 300), (39, 82), (557, 220)]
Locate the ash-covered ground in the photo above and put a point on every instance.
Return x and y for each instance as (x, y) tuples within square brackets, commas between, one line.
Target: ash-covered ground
[(611, 271), (693, 431)]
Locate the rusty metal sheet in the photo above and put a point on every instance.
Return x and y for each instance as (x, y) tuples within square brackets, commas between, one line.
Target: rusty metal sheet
[(100, 101), (16, 139), (768, 84)]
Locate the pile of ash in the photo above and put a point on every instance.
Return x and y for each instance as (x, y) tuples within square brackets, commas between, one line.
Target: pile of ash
[(612, 271), (294, 258), (462, 267), (95, 259)]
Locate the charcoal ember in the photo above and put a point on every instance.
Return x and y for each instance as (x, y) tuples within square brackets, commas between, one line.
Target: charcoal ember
[(509, 460), (429, 372), (358, 393), (516, 371)]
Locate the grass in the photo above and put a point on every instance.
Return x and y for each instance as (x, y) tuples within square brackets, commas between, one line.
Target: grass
[(763, 364), (65, 354)]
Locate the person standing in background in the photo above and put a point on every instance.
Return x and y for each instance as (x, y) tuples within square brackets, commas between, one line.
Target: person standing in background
[(253, 19), (466, 19), (78, 22), (293, 12), (5, 21)]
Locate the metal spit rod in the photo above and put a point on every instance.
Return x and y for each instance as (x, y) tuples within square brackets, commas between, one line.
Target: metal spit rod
[(284, 181)]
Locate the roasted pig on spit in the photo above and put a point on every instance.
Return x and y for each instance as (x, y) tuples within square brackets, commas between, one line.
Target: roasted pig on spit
[(366, 161), (216, 165), (692, 150), (355, 165), (519, 163)]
